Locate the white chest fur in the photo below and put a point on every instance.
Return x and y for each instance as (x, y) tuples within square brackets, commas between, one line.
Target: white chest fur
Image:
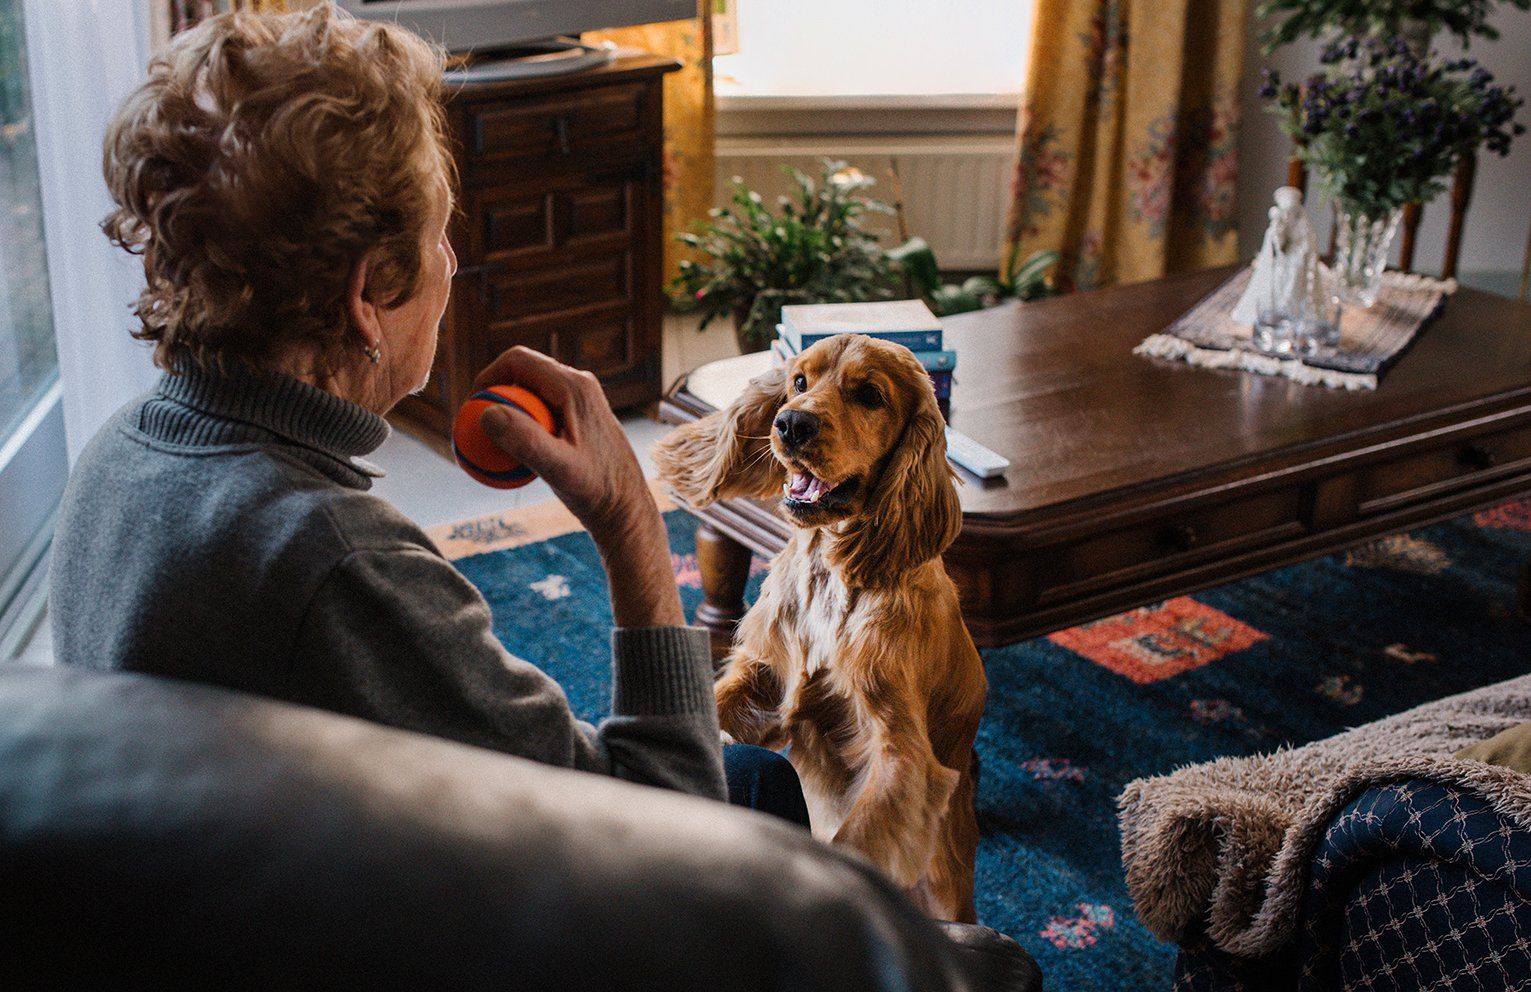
[(823, 607)]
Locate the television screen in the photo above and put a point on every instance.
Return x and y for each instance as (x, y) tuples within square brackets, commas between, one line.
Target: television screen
[(480, 25)]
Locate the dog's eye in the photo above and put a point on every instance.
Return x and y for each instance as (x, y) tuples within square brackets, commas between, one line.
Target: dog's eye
[(800, 384), (868, 396)]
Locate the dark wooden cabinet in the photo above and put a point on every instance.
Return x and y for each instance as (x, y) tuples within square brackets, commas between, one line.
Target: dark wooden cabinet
[(558, 236)]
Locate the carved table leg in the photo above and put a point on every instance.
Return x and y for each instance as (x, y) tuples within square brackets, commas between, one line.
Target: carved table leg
[(725, 567)]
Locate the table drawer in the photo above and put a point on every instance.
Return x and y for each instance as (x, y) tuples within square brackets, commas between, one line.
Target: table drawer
[(1440, 468), (1167, 543), (555, 127)]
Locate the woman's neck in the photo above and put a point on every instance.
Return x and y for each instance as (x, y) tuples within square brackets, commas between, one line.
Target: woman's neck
[(358, 382)]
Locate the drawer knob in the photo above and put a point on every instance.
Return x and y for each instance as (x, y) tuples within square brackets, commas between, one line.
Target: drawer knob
[(1180, 537), (1476, 456)]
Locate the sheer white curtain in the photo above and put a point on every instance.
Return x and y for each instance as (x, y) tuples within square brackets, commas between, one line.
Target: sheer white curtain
[(86, 55)]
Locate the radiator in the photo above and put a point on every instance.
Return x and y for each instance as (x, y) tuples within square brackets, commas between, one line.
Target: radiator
[(956, 190)]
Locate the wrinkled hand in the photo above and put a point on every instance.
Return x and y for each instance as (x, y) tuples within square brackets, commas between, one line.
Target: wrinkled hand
[(590, 466), (589, 463)]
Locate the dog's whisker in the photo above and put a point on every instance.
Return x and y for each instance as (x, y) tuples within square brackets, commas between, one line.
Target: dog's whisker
[(757, 459), (762, 453)]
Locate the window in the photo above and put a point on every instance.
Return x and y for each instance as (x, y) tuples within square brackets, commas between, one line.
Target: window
[(33, 465), (877, 47), (28, 360)]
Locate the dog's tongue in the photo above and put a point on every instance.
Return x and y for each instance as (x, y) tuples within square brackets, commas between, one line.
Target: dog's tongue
[(806, 488)]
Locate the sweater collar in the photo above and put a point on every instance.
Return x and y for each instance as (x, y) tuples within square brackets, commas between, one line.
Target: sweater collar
[(286, 407)]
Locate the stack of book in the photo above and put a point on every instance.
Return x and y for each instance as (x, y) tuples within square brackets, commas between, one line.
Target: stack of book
[(906, 322)]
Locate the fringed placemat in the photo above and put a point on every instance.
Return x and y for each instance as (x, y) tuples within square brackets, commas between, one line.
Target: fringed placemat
[(1371, 339)]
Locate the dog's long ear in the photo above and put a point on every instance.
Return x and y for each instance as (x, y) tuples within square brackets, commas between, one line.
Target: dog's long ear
[(912, 514), (727, 453)]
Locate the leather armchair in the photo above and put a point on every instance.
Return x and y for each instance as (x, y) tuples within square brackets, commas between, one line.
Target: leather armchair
[(167, 834)]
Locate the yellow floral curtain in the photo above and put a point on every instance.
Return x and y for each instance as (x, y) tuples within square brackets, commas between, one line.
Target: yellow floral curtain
[(1128, 138), (689, 120)]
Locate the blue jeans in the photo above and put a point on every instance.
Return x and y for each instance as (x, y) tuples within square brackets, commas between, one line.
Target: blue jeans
[(762, 779)]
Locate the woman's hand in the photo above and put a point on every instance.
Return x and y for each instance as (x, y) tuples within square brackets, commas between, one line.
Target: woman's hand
[(591, 467)]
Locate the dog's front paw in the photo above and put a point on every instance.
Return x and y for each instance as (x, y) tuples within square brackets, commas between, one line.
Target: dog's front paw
[(726, 738)]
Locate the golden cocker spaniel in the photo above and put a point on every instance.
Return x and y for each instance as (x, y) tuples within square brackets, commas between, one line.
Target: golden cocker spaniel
[(855, 653)]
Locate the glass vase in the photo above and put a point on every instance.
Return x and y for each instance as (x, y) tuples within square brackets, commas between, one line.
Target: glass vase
[(1360, 253)]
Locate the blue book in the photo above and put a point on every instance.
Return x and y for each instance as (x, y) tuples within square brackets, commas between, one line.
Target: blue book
[(937, 361), (906, 322), (785, 346), (938, 364), (934, 361)]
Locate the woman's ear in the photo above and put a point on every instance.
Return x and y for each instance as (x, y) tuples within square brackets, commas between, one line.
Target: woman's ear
[(912, 513), (362, 311), (728, 453)]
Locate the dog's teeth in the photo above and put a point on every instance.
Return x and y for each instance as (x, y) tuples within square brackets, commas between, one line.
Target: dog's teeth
[(805, 488)]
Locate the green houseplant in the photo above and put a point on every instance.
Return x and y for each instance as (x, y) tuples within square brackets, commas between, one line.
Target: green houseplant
[(1020, 279), (811, 249), (1414, 20)]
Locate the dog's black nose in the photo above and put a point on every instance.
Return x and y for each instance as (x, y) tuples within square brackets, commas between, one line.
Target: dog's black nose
[(796, 427)]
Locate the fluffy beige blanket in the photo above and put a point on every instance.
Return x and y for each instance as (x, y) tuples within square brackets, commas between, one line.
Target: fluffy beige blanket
[(1232, 838)]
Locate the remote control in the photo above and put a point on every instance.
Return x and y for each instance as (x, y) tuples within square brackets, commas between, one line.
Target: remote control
[(973, 456)]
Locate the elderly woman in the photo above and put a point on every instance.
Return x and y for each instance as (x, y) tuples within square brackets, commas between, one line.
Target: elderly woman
[(287, 184)]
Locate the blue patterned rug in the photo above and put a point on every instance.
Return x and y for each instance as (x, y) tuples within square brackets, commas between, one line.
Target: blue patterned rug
[(1288, 657)]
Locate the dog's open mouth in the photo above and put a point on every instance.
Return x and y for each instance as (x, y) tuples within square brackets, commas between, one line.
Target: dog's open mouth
[(805, 491)]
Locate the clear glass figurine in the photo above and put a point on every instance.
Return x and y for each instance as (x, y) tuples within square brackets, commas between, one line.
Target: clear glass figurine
[(1288, 298)]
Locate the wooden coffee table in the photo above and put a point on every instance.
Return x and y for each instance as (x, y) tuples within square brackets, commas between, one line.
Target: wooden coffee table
[(1133, 480)]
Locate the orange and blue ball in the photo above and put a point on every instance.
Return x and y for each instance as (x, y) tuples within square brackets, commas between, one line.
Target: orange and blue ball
[(481, 457)]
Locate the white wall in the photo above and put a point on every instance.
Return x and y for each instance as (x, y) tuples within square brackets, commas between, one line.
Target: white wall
[(1500, 214)]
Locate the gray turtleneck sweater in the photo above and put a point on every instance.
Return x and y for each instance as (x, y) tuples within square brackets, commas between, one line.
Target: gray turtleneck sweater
[(220, 530)]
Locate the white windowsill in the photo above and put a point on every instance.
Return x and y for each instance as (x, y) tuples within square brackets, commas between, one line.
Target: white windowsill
[(732, 99), (743, 114)]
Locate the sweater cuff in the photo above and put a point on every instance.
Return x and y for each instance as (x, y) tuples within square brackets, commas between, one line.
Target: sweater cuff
[(661, 671)]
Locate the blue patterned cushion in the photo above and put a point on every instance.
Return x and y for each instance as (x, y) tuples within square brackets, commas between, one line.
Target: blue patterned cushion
[(1202, 967), (1415, 885)]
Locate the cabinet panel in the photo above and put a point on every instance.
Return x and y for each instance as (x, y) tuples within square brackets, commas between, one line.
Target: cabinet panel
[(600, 212), (605, 347), (555, 126), (525, 223), (591, 212), (602, 339), (517, 295)]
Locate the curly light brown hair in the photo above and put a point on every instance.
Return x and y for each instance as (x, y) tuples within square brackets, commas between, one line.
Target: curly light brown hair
[(262, 159)]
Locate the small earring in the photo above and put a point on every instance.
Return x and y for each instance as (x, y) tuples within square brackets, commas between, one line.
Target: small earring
[(374, 354)]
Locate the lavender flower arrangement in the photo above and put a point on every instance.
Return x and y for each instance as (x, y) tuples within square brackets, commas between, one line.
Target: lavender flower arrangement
[(1383, 127)]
